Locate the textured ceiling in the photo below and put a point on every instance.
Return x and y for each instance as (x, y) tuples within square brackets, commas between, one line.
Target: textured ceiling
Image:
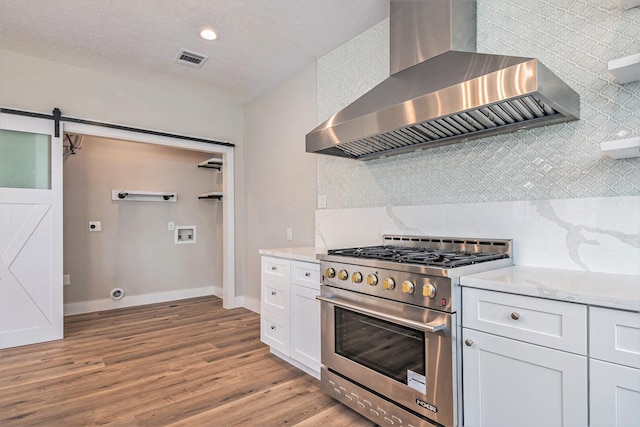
[(261, 42)]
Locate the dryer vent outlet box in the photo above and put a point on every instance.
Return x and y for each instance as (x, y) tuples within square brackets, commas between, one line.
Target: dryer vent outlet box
[(185, 234)]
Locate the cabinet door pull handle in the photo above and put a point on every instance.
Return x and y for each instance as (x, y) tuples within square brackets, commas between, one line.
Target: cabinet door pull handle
[(307, 274), (273, 292), (468, 342), (273, 327), (274, 268), (515, 316)]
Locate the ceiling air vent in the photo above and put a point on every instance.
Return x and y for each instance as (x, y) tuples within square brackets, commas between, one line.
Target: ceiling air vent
[(191, 59)]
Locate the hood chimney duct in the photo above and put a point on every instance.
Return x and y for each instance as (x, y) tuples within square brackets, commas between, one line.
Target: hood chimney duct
[(421, 30)]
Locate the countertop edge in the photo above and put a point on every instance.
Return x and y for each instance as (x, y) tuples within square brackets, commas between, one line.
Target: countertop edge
[(614, 291), (305, 254)]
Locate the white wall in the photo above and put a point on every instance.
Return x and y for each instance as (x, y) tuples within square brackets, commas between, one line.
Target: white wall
[(39, 85), (560, 161), (135, 250), (35, 84), (589, 234), (280, 177), (550, 189)]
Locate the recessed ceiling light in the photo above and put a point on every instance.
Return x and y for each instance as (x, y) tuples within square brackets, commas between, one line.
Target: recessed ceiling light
[(208, 34)]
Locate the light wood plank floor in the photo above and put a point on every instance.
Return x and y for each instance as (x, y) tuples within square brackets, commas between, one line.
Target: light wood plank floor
[(184, 363)]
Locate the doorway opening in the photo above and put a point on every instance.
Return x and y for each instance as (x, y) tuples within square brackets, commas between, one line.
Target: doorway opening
[(134, 249)]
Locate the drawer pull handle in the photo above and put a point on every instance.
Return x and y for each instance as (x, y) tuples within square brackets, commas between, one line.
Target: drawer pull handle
[(273, 327), (468, 342), (515, 316), (307, 274), (273, 292), (274, 268)]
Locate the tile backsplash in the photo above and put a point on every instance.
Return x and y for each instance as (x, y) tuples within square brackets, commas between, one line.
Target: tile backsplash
[(573, 38)]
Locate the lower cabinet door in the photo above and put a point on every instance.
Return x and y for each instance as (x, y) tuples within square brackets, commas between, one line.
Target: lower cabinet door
[(305, 326), (511, 383), (614, 395), (274, 332)]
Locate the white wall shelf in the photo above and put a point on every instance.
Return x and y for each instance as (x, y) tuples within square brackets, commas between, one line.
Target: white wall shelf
[(212, 195), (627, 69), (212, 163), (622, 148), (144, 196)]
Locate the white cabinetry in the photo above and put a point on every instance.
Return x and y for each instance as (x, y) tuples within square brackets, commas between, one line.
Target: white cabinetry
[(290, 314), (524, 361), (614, 364), (305, 314), (274, 305)]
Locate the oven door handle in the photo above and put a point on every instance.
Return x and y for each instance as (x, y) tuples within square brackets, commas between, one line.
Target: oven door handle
[(426, 327)]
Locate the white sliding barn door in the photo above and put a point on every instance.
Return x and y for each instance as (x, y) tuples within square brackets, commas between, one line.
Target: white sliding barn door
[(31, 301)]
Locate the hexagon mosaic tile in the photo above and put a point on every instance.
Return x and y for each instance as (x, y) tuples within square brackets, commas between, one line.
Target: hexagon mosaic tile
[(575, 39)]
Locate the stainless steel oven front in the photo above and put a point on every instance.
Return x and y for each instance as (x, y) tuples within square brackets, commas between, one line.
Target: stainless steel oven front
[(391, 361)]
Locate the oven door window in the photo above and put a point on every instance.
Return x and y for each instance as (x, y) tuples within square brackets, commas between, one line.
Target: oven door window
[(385, 347)]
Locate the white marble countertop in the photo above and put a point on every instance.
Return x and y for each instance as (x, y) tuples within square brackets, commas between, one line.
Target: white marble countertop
[(306, 254), (620, 291)]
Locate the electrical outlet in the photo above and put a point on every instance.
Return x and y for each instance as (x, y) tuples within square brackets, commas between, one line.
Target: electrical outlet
[(289, 234), (318, 227), (66, 279), (171, 226), (95, 226)]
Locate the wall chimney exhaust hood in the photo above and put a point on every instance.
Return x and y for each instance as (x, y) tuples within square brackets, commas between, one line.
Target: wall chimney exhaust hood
[(440, 92)]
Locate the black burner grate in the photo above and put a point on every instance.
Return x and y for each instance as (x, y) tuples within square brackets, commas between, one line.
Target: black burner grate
[(424, 256)]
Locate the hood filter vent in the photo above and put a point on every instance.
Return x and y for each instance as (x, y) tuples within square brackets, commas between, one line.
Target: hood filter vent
[(441, 131), (190, 59)]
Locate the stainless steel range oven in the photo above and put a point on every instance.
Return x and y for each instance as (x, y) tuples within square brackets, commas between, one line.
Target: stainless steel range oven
[(390, 327)]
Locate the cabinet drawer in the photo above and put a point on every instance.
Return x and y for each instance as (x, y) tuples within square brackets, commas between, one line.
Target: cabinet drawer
[(553, 324), (614, 336), (275, 269), (306, 274), (275, 297), (274, 332)]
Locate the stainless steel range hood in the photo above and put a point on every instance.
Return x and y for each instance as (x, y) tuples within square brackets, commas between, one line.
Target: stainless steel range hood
[(440, 92)]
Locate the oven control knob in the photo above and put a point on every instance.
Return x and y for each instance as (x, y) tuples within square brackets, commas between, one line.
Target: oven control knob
[(372, 279), (388, 284), (330, 273), (429, 290), (408, 287), (343, 275), (356, 277)]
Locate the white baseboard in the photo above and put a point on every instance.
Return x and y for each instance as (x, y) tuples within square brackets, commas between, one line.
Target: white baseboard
[(249, 303), (134, 300), (217, 291)]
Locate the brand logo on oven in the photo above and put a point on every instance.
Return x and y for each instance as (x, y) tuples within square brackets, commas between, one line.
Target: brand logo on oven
[(426, 405)]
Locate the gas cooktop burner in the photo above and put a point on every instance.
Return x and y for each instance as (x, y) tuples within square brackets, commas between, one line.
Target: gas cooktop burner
[(416, 255)]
